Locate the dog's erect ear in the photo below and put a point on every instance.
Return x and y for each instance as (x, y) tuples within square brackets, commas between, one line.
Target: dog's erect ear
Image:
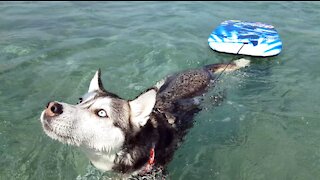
[(96, 83), (142, 106)]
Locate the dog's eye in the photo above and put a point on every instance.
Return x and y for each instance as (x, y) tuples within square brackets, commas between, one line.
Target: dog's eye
[(102, 113)]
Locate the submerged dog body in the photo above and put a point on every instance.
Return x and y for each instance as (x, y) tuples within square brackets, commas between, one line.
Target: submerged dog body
[(131, 136)]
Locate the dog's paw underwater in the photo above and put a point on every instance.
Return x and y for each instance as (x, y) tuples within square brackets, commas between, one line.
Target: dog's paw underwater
[(119, 135)]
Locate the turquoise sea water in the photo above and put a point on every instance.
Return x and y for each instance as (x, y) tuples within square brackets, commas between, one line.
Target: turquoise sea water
[(267, 127)]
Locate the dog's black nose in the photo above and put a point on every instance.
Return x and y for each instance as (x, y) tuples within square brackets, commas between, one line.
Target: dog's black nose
[(54, 109)]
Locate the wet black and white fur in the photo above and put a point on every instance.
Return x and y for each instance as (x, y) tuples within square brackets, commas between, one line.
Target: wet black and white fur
[(117, 134)]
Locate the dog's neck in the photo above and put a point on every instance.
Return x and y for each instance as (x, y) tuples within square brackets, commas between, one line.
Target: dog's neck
[(101, 160), (107, 161)]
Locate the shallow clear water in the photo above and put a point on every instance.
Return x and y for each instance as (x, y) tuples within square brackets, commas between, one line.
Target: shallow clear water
[(268, 126)]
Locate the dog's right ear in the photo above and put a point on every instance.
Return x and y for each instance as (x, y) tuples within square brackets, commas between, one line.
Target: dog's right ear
[(96, 83), (142, 106)]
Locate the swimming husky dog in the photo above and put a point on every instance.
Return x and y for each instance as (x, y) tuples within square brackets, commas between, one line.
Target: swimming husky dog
[(131, 137)]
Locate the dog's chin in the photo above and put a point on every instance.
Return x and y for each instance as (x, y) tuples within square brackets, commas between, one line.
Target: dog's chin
[(49, 130)]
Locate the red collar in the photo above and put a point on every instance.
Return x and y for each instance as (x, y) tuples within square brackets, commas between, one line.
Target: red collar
[(151, 157), (150, 163)]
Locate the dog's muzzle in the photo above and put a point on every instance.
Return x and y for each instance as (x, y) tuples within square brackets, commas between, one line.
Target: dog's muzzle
[(53, 109)]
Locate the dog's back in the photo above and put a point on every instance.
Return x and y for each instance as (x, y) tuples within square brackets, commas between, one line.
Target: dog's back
[(179, 93)]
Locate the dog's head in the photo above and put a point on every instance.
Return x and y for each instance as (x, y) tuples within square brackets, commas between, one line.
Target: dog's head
[(100, 121)]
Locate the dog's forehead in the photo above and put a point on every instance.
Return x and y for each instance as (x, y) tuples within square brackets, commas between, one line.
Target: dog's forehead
[(102, 102), (91, 98)]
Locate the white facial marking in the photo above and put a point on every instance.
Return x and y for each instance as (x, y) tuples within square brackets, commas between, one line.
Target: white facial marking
[(81, 126), (91, 125)]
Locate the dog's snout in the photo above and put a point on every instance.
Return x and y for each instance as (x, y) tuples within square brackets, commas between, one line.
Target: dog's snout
[(53, 109)]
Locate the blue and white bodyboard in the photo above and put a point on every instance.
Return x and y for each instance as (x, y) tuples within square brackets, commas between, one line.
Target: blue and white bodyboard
[(247, 38)]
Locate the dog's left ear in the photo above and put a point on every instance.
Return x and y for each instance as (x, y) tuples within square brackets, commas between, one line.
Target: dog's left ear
[(142, 106), (96, 83)]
